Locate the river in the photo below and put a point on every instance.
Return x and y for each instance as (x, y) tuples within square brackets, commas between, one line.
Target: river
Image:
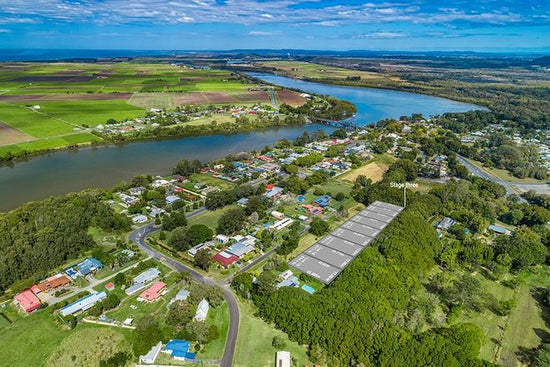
[(103, 167)]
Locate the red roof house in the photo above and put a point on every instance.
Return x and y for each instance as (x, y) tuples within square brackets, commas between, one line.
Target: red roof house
[(53, 283), (269, 187), (225, 258), (110, 286), (153, 292), (27, 301)]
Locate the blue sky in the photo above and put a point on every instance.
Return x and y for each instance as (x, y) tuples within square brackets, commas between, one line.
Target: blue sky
[(451, 25)]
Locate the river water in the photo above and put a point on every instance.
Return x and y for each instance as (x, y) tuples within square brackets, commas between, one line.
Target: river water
[(65, 171)]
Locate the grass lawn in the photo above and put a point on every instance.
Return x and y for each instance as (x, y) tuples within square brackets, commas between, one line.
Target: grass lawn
[(152, 100), (219, 317), (522, 328), (210, 218), (254, 342), (30, 339), (88, 344), (526, 324), (211, 181)]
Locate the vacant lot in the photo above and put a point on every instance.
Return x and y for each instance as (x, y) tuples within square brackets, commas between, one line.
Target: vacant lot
[(375, 171), (9, 135), (254, 342), (291, 97), (88, 345)]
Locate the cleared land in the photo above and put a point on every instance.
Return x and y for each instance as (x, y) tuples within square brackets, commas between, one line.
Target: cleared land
[(254, 342), (9, 135), (88, 345), (290, 97)]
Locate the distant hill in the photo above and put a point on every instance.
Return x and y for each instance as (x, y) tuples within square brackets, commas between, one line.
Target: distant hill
[(542, 61)]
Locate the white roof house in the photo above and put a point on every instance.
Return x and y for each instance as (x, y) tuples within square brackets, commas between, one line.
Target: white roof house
[(150, 357), (202, 310), (83, 304), (139, 218), (172, 199), (147, 275), (283, 359)]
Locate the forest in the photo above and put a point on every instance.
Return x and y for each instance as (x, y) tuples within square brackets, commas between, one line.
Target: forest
[(39, 236)]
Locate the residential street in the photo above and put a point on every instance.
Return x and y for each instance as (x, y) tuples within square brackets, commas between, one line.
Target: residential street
[(139, 236)]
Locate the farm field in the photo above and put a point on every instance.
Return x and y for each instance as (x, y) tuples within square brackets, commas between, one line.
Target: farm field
[(299, 69), (72, 97)]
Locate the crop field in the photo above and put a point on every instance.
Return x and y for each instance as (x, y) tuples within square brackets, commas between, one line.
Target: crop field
[(74, 96), (9, 135), (300, 69)]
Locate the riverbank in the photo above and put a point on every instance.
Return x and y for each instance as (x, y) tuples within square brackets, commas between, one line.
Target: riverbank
[(105, 166)]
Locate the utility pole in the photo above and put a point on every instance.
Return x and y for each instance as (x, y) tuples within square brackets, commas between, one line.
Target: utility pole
[(404, 195)]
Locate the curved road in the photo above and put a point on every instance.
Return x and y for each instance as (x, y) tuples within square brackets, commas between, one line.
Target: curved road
[(511, 187), (138, 237)]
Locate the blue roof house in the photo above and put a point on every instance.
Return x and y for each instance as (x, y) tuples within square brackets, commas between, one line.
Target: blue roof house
[(322, 201), (89, 265)]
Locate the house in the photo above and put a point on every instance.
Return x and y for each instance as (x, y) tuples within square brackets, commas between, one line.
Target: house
[(322, 201), (182, 295), (238, 249), (170, 199), (243, 201), (179, 349), (137, 190), (53, 283), (83, 304), (225, 258), (283, 359), (273, 192), (27, 301), (247, 240), (128, 199), (147, 276), (153, 293), (202, 310), (312, 210), (445, 224), (286, 274), (110, 286), (128, 321), (151, 356), (140, 218), (221, 238), (88, 266), (498, 229), (201, 246), (292, 281), (281, 224), (156, 212), (277, 215), (178, 178)]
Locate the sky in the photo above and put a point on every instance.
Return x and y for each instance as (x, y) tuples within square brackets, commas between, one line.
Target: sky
[(421, 25)]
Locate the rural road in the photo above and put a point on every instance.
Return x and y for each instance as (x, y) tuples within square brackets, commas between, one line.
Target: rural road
[(511, 187), (138, 237)]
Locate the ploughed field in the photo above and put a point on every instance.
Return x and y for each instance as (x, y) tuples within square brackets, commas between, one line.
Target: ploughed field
[(53, 105)]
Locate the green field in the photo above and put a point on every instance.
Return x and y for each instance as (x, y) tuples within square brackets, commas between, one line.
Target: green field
[(254, 342), (35, 123), (39, 339), (505, 335), (74, 96), (210, 218), (219, 317)]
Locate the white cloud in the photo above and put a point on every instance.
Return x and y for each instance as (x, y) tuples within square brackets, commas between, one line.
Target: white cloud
[(248, 12), (263, 33)]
